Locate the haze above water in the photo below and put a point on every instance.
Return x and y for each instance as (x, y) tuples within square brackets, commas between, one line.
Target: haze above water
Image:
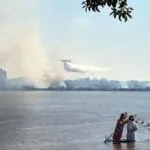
[(68, 120)]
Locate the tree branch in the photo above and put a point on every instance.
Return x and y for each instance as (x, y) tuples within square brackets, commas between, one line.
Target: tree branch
[(119, 8)]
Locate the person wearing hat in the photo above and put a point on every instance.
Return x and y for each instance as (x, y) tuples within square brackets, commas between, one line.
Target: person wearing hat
[(131, 128)]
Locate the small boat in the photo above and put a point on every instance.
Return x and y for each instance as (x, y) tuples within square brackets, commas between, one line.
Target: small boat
[(120, 141), (116, 142)]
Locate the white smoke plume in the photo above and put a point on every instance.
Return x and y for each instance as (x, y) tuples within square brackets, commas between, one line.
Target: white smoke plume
[(21, 49), (71, 67)]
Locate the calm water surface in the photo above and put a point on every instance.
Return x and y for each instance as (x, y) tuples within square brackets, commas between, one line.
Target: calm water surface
[(68, 120)]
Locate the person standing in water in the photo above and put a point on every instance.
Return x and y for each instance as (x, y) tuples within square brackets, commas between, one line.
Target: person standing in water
[(131, 128), (119, 127)]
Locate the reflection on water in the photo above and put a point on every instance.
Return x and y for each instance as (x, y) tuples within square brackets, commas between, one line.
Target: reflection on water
[(131, 146), (123, 146)]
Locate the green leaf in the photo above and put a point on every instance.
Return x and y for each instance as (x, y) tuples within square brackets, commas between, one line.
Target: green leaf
[(93, 8), (129, 15), (131, 8), (124, 16), (97, 9), (86, 9), (114, 3), (115, 15), (89, 8), (83, 2), (111, 13), (109, 3), (120, 15)]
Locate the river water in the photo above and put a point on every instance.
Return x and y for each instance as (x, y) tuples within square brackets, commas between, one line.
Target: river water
[(69, 120)]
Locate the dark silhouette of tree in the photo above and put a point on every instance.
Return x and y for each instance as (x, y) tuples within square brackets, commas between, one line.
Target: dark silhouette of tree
[(119, 8)]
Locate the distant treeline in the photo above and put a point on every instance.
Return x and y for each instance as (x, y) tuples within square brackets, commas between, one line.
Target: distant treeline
[(80, 84), (80, 89)]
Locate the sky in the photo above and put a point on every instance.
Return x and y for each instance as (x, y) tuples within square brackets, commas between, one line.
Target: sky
[(61, 29)]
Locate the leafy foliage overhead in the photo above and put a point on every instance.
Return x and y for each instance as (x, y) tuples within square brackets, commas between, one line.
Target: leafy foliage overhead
[(119, 8)]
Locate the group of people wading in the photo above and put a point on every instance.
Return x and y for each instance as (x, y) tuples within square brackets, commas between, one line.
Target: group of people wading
[(131, 128)]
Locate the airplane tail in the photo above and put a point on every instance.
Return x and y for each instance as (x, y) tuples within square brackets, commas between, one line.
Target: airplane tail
[(66, 60)]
